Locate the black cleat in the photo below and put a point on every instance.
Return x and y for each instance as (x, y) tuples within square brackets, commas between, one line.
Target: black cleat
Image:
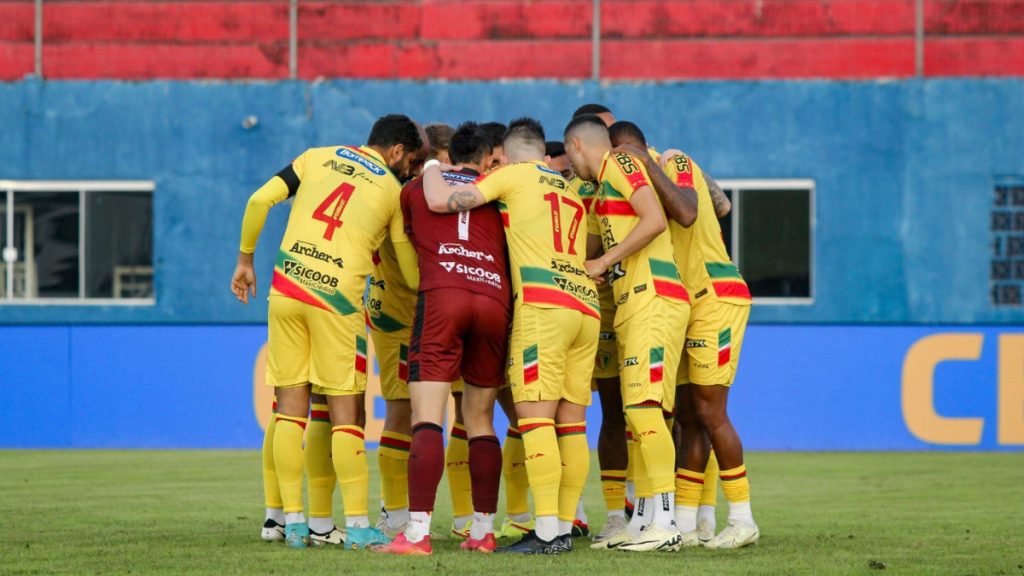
[(580, 529), (531, 544), (564, 543)]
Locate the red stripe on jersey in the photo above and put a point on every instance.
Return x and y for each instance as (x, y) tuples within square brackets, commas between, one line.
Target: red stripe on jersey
[(671, 290), (361, 364), (289, 289), (614, 208), (403, 371), (724, 356), (657, 374), (530, 374), (637, 180), (731, 290), (541, 295), (504, 219)]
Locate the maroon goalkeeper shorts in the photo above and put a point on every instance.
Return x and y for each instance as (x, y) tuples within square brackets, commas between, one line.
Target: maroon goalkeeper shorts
[(459, 333)]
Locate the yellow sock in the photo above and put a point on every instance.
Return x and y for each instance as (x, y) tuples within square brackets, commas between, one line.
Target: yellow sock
[(641, 481), (393, 461), (543, 464), (348, 451), (656, 446), (288, 460), (320, 476), (631, 455), (689, 485), (613, 487), (513, 472), (709, 495), (271, 491), (575, 455), (735, 484), (456, 461)]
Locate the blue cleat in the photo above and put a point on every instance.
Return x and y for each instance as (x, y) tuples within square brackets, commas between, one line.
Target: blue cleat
[(364, 538), (296, 535)]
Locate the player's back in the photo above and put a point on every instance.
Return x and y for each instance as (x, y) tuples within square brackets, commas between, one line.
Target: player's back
[(546, 232), (464, 250), (344, 205)]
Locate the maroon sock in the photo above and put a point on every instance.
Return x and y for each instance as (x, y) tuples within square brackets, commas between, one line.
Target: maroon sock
[(426, 464), (484, 472)]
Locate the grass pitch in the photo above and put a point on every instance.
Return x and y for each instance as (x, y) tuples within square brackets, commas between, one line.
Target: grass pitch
[(199, 512)]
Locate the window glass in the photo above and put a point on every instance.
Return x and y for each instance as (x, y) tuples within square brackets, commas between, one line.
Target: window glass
[(775, 242), (46, 238), (119, 245)]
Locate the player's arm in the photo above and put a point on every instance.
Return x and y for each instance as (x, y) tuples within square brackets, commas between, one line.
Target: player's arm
[(719, 200), (408, 263), (279, 188), (651, 223), (443, 198), (680, 201)]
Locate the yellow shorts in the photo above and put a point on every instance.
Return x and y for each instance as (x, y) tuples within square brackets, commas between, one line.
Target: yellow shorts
[(307, 344), (606, 365), (650, 345), (713, 341), (392, 352), (551, 354)]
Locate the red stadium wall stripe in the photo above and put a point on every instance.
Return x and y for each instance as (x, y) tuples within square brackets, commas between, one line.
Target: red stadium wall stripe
[(18, 22), (16, 60), (974, 57)]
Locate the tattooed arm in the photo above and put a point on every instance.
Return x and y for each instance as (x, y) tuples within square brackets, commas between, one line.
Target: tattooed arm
[(718, 199), (444, 198)]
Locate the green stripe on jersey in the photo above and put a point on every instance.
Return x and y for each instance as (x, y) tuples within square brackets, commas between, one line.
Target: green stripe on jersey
[(722, 270)]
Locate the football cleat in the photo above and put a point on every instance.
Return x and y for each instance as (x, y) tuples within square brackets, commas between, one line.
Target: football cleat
[(296, 535), (402, 547), (654, 538), (382, 525), (364, 538), (580, 529), (613, 527), (628, 508), (564, 542), (531, 544), (705, 528), (272, 531), (462, 534), (513, 529), (691, 539), (735, 535), (331, 537), (486, 545)]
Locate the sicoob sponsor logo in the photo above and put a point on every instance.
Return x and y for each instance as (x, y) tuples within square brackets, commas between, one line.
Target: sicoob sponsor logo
[(576, 290), (473, 273), (307, 249), (350, 155), (309, 277), (459, 250)]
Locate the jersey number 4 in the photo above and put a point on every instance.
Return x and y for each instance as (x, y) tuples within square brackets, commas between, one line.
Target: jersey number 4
[(556, 221), (329, 211)]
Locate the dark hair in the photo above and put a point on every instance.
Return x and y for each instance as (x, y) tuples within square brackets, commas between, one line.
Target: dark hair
[(590, 109), (584, 120), (554, 148), (469, 144), (395, 129), (438, 135), (626, 129), (526, 128), (496, 131)]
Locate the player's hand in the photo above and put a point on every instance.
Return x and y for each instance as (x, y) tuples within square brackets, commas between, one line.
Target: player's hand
[(668, 155), (243, 281), (447, 167), (634, 151), (596, 270)]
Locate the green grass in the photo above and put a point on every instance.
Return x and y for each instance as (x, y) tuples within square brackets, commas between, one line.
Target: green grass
[(191, 512)]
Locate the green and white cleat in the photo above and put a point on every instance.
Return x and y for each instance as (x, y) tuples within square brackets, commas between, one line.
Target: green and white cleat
[(357, 538), (296, 535), (272, 531), (333, 537), (654, 538), (735, 535), (613, 526)]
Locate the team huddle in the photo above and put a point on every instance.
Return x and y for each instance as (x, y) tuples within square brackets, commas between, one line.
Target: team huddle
[(513, 271)]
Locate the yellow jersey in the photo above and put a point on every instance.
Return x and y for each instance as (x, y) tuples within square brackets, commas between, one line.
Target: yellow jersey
[(390, 302), (346, 202), (588, 193), (649, 272), (700, 251), (543, 217)]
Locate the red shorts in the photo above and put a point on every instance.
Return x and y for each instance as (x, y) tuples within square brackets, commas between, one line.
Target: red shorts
[(459, 333)]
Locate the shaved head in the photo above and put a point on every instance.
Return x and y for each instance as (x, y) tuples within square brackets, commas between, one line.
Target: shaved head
[(586, 142), (524, 140)]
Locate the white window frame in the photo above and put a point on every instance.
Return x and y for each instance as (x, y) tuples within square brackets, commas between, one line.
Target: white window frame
[(739, 185), (82, 187)]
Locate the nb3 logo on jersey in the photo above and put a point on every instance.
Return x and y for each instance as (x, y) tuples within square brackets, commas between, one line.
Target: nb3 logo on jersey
[(556, 182), (352, 156), (311, 250), (313, 278)]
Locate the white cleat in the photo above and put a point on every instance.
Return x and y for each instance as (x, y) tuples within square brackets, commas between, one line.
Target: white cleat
[(691, 539), (272, 531), (654, 538), (736, 535), (613, 527), (382, 525), (705, 528), (335, 537)]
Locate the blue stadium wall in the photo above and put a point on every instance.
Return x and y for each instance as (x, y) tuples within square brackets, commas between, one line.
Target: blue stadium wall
[(901, 348)]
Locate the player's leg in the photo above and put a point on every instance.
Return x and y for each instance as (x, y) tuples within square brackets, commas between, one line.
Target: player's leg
[(288, 369), (320, 476), (456, 462), (653, 343), (273, 523), (612, 454), (392, 350), (710, 392), (517, 521)]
